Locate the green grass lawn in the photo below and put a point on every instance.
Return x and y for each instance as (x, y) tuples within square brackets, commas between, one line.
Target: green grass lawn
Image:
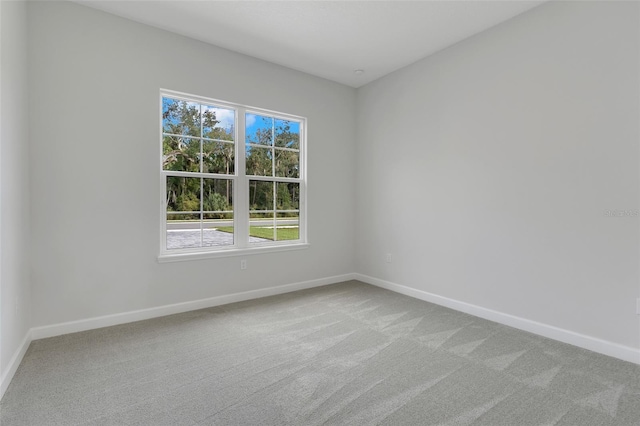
[(262, 232)]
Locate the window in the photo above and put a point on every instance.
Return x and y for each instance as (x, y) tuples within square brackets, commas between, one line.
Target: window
[(232, 178)]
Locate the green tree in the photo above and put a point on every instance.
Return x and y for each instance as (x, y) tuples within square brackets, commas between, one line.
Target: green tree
[(184, 125)]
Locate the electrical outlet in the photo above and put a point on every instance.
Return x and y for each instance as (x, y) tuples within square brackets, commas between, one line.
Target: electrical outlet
[(388, 258), (243, 264)]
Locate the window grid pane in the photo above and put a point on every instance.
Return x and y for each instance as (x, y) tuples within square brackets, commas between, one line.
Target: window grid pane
[(196, 208), (288, 226), (272, 146), (197, 137)]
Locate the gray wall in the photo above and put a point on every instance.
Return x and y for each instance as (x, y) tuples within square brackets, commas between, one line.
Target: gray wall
[(487, 168), (15, 301), (95, 81)]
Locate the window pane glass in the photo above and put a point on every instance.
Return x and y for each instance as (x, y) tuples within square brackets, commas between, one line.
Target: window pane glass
[(218, 123), (183, 230), (180, 154), (217, 157), (287, 134), (261, 195), (261, 227), (288, 226), (288, 196), (180, 117), (287, 163), (217, 201), (259, 129), (183, 194), (217, 195), (259, 161), (183, 238), (217, 229)]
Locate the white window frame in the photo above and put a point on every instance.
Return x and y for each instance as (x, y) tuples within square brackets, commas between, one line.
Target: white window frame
[(240, 180)]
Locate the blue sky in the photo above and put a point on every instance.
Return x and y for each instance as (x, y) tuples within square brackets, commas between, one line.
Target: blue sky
[(226, 117), (256, 121)]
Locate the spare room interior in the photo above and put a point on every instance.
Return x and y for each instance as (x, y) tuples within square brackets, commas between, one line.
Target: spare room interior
[(318, 212)]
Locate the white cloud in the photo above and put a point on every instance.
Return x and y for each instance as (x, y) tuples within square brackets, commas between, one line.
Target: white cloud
[(250, 120), (226, 117)]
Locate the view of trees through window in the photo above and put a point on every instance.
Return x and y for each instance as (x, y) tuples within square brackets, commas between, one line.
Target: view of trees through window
[(200, 169), (272, 152)]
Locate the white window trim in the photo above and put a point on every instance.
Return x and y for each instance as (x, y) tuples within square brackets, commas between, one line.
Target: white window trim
[(241, 246)]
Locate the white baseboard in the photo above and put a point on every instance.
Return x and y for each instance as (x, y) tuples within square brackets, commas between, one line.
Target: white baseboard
[(16, 359), (594, 344), (143, 314)]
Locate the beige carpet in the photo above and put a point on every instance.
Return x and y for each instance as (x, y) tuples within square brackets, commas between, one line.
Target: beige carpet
[(345, 354)]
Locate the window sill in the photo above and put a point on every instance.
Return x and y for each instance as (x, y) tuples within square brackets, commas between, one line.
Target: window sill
[(181, 257)]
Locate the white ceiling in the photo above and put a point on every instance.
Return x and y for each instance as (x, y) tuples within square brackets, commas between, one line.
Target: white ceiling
[(328, 39)]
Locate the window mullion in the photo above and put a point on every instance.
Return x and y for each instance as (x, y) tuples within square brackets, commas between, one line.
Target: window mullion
[(196, 175), (273, 151), (302, 175), (241, 189), (201, 179), (163, 206), (275, 209), (273, 174)]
